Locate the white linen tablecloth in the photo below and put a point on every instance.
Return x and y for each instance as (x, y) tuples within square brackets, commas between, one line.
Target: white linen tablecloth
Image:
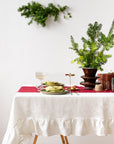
[(47, 115)]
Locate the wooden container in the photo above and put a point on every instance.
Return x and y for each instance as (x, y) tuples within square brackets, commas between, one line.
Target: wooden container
[(105, 80)]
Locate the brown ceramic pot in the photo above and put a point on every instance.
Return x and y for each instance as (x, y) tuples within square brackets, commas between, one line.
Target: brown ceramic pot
[(89, 72), (89, 78)]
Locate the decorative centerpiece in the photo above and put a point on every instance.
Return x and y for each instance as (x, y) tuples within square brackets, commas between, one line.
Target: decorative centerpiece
[(94, 52), (39, 13)]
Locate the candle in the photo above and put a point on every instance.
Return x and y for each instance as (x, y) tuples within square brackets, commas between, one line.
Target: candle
[(112, 84)]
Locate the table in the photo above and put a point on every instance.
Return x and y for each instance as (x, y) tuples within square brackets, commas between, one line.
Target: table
[(48, 115)]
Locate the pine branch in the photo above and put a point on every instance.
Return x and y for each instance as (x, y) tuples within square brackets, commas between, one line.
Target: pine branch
[(111, 29), (38, 13)]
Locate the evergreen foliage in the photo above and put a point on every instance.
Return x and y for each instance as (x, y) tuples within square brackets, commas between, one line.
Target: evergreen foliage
[(94, 51), (40, 14)]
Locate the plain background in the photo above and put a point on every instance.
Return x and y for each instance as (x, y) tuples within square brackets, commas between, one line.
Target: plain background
[(26, 49)]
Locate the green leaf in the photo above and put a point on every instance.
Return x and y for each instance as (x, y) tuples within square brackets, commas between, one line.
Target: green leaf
[(73, 61)]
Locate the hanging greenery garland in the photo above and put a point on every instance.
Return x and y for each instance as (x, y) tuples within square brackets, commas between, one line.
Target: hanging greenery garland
[(39, 13)]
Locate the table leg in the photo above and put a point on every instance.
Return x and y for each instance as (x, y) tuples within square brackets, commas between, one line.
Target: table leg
[(66, 139), (35, 139), (62, 138)]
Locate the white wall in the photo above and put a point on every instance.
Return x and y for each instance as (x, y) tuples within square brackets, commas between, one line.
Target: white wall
[(26, 49)]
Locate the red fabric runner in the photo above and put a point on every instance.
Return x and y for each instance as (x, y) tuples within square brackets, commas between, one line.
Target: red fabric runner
[(28, 89), (81, 90)]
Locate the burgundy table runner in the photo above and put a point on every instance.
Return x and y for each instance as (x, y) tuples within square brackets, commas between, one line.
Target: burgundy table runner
[(81, 90)]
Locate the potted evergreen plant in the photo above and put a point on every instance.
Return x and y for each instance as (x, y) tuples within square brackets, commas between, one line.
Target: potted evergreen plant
[(94, 52)]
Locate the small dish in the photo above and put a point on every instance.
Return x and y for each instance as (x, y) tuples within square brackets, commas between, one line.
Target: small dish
[(72, 89)]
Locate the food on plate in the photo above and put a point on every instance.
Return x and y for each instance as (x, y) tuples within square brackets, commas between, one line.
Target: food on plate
[(49, 83), (54, 89)]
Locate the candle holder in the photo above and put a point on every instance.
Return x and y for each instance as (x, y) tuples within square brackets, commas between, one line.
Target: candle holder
[(70, 75)]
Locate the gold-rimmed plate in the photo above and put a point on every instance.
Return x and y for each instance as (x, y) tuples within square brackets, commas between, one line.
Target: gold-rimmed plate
[(54, 93)]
